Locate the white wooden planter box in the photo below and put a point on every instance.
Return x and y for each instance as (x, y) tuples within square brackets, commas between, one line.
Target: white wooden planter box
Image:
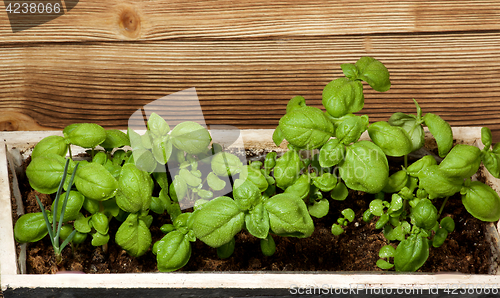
[(222, 284)]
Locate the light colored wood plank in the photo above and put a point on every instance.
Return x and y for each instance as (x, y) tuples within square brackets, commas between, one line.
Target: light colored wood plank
[(93, 20)]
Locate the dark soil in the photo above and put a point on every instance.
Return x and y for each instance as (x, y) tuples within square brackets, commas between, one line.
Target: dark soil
[(466, 250)]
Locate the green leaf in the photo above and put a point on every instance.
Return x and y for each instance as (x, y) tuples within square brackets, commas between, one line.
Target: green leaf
[(215, 182), (178, 189), (424, 215), (157, 126), (100, 223), (340, 192), (172, 251), (396, 182), (144, 160), (331, 153), (306, 127), (350, 71), (374, 73), (190, 179), (348, 214), (224, 164), (382, 264), (50, 144), (135, 189), (45, 172), (486, 137), (134, 236), (396, 203), (115, 139), (441, 131), (377, 207), (410, 124), (337, 229), (325, 182), (319, 209), (268, 246), (287, 169), (491, 161), (99, 239), (246, 194), (255, 176), (226, 250), (411, 253), (92, 206), (384, 218), (387, 251), (437, 183), (162, 150), (270, 161), (365, 167), (218, 221), (73, 206), (30, 227), (82, 224), (95, 182), (343, 96), (423, 163), (350, 128), (393, 140), (278, 136), (448, 224), (301, 187), (439, 237), (190, 137), (462, 161), (482, 201), (257, 221), (86, 135), (296, 102), (288, 216)]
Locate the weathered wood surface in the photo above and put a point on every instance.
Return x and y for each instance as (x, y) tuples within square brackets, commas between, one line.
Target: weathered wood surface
[(104, 60)]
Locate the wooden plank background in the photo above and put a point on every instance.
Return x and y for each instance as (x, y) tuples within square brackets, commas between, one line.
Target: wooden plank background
[(103, 60)]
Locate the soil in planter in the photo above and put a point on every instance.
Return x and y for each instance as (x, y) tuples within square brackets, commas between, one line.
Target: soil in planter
[(466, 250)]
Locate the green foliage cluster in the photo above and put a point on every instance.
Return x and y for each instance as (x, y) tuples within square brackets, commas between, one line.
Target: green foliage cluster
[(131, 176)]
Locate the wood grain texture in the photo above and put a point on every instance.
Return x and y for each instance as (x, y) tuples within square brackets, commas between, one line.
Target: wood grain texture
[(146, 20), (248, 83)]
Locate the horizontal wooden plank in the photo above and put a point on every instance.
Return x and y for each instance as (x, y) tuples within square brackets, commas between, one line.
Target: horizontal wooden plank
[(145, 20), (247, 83)]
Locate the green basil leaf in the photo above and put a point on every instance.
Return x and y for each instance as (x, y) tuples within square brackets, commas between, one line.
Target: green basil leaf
[(331, 153), (382, 264), (100, 223), (270, 161), (110, 207), (421, 164), (439, 237), (255, 176), (190, 137), (82, 224), (92, 206), (158, 126), (224, 164), (348, 214), (424, 215), (319, 209), (343, 96), (95, 182), (325, 182), (257, 221), (365, 167), (441, 131), (400, 119), (448, 224), (387, 251), (296, 102), (30, 227), (99, 239), (306, 127), (396, 203), (287, 169), (268, 246), (491, 162), (301, 187), (226, 250), (246, 194), (409, 124), (437, 184), (162, 179), (377, 207), (115, 139), (288, 216), (73, 206), (486, 137), (162, 150), (86, 135), (172, 251), (482, 201), (146, 141), (218, 221), (215, 182), (158, 205), (45, 172), (144, 160), (340, 192), (462, 161), (178, 189), (278, 136), (393, 140), (350, 71), (350, 128), (135, 188), (134, 236), (50, 144), (337, 229), (396, 182), (374, 73), (190, 179), (411, 253)]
